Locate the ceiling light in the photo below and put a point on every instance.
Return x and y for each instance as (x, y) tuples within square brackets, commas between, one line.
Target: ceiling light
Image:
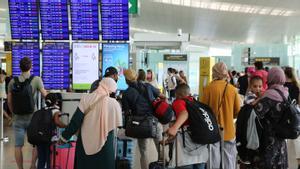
[(2, 9)]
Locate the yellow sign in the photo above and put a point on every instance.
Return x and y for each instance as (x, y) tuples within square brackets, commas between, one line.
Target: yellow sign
[(8, 64)]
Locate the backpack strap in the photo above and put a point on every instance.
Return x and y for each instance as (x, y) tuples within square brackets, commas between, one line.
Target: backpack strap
[(16, 79), (30, 79), (282, 95), (222, 99)]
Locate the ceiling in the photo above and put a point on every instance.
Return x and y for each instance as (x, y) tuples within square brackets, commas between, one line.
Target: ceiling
[(214, 26)]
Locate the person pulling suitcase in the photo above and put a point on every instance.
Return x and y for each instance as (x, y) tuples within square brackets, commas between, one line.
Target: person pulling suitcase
[(189, 153)]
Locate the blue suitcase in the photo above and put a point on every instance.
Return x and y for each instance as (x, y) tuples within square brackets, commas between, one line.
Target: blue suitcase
[(125, 151)]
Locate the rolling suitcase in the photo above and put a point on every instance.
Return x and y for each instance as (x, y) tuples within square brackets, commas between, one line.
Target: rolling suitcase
[(124, 153), (63, 156), (162, 164)]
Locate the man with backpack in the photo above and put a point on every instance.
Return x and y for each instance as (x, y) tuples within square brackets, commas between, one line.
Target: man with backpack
[(136, 103), (22, 101)]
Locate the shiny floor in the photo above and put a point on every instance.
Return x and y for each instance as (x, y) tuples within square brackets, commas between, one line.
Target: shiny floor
[(7, 160)]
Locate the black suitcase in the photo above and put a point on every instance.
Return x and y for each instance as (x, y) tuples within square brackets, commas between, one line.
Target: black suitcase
[(162, 164), (122, 164)]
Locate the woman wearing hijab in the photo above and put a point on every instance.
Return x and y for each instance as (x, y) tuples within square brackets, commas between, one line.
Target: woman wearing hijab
[(151, 78), (224, 100), (96, 118), (273, 150)]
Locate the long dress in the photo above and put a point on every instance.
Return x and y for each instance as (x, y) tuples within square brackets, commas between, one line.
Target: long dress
[(273, 150), (104, 159)]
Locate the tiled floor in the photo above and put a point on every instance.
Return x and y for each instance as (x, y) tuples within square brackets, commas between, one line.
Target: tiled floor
[(7, 160)]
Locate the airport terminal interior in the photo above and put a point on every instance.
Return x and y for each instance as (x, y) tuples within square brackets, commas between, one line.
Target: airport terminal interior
[(70, 44)]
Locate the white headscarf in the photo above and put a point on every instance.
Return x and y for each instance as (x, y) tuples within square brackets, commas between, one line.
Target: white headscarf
[(105, 116)]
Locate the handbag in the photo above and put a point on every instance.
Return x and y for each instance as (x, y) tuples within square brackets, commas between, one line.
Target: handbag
[(141, 126)]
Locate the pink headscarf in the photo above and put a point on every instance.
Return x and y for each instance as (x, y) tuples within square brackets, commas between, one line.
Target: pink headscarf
[(102, 119), (276, 80), (219, 71)]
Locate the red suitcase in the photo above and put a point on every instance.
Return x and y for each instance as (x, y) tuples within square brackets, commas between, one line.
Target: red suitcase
[(63, 156)]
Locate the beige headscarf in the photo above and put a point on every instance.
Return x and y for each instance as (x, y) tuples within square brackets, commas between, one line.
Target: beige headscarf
[(219, 71), (105, 116)]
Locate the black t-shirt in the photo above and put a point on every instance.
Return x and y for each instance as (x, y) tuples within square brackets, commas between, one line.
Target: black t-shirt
[(243, 82), (293, 90)]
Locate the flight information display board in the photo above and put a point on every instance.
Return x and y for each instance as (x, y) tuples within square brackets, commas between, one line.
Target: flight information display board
[(26, 49), (24, 20), (84, 19), (114, 20), (56, 65), (54, 19), (116, 55)]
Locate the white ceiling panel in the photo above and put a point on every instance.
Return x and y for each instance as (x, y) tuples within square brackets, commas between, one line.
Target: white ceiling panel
[(215, 25)]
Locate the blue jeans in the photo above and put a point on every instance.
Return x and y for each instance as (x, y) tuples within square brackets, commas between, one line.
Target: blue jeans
[(43, 156), (194, 166)]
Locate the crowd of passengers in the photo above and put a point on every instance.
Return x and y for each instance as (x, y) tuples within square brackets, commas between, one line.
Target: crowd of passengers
[(225, 95)]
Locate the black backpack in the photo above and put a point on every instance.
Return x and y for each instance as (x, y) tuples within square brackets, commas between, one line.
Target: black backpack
[(41, 127), (288, 127), (203, 127), (22, 97)]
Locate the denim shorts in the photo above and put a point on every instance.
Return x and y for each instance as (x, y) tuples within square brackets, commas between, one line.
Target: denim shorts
[(20, 126)]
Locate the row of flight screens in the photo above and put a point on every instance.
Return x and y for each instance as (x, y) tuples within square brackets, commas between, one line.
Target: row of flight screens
[(55, 62), (84, 14)]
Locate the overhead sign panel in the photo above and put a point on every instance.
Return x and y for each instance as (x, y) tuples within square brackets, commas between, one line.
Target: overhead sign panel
[(85, 65), (56, 65), (114, 20), (175, 57), (24, 20), (85, 19), (54, 19), (26, 49)]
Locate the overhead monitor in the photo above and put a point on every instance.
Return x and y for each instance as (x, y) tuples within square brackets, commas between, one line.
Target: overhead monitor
[(56, 65), (85, 65), (24, 20), (116, 55), (25, 49), (114, 20), (85, 19), (54, 19)]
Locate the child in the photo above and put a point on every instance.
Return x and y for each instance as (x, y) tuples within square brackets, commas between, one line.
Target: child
[(254, 91), (251, 98), (44, 149), (198, 158)]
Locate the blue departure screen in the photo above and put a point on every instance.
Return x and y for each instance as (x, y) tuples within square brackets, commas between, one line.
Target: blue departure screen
[(54, 19), (24, 19), (116, 55), (114, 20), (56, 65), (26, 49), (84, 19)]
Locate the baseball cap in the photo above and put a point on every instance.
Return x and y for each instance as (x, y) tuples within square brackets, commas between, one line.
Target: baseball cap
[(110, 71)]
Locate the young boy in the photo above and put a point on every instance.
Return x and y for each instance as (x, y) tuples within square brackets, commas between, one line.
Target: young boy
[(44, 149), (199, 156)]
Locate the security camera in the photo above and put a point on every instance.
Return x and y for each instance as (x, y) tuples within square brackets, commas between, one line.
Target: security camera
[(179, 32)]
